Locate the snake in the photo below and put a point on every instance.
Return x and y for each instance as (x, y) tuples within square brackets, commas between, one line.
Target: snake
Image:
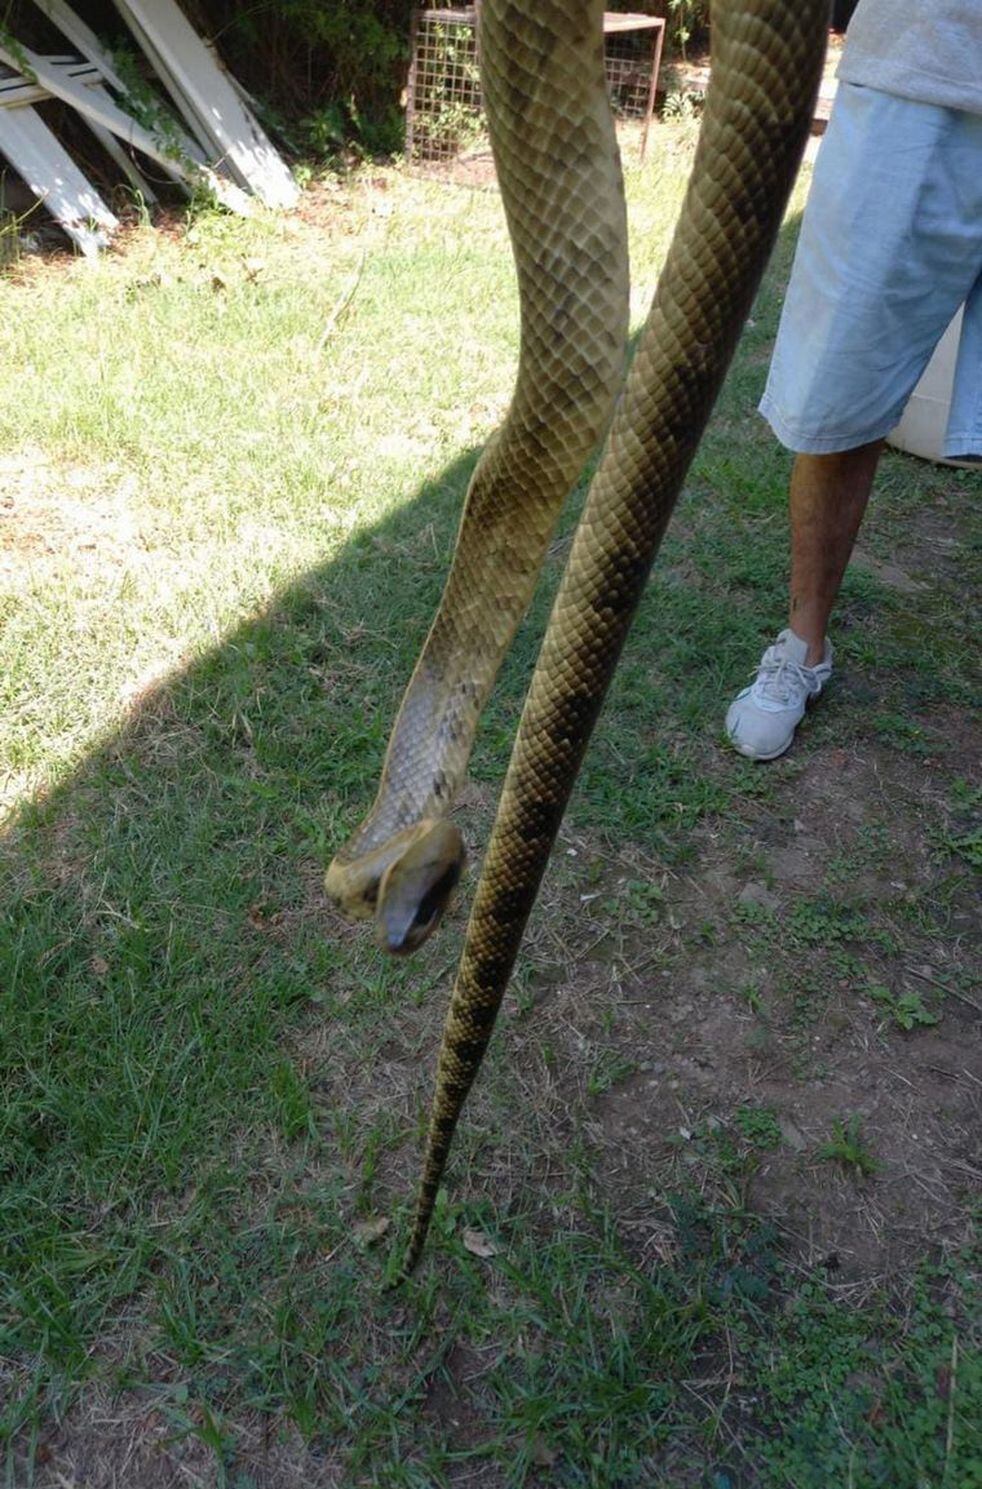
[(556, 157)]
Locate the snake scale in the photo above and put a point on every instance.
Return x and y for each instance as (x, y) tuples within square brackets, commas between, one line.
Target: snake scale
[(543, 83)]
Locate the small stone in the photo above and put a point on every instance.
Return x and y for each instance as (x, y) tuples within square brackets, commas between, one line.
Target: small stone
[(755, 893)]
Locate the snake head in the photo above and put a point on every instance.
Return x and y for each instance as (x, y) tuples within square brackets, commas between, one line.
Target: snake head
[(406, 883), (417, 887)]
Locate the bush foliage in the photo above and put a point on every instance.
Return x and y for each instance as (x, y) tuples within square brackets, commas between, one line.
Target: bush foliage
[(331, 71)]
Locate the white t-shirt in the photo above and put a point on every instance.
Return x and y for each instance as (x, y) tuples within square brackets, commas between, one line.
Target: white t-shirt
[(928, 50)]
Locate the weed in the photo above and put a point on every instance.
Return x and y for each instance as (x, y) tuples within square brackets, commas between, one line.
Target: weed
[(751, 991), (682, 106), (903, 734), (846, 1146), (642, 902), (907, 1009), (821, 921), (759, 1125), (967, 845), (961, 834), (608, 1071)]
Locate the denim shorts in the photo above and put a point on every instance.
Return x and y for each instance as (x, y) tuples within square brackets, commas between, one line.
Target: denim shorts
[(890, 246)]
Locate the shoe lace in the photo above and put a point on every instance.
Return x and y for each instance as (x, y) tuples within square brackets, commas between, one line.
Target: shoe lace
[(781, 681)]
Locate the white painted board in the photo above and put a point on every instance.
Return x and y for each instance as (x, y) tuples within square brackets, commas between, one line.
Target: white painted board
[(97, 58), (207, 144), (82, 38), (193, 79), (95, 104), (55, 179), (16, 90)]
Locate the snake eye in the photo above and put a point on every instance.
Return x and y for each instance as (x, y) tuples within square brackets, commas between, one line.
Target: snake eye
[(416, 889)]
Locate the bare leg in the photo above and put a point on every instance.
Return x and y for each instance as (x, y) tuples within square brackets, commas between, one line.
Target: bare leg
[(828, 498)]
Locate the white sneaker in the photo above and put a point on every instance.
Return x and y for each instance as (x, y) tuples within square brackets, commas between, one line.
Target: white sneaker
[(762, 719)]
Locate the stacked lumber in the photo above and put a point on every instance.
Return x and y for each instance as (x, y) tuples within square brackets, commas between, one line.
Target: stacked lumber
[(212, 141)]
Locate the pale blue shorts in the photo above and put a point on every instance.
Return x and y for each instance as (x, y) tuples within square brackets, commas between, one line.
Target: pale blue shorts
[(890, 246)]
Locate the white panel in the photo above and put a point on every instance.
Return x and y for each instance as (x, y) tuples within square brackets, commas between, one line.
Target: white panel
[(80, 36), (16, 89), (95, 104), (193, 78), (53, 176)]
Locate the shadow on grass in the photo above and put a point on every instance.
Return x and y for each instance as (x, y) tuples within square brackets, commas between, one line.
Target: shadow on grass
[(163, 917), (180, 1186)]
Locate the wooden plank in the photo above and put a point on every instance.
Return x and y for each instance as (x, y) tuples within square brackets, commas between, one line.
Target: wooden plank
[(184, 106), (82, 38), (56, 180), (194, 80), (619, 20), (16, 90), (210, 100), (97, 105)]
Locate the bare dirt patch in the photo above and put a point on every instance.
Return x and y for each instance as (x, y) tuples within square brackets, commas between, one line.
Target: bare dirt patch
[(777, 988), (47, 509), (155, 1441)]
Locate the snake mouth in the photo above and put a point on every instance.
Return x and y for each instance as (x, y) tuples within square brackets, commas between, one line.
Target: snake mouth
[(406, 883), (426, 917), (416, 889)]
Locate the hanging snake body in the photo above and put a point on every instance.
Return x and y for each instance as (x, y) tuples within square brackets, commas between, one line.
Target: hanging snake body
[(556, 156)]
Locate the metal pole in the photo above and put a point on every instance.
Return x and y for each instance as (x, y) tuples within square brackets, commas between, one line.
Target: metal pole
[(655, 65)]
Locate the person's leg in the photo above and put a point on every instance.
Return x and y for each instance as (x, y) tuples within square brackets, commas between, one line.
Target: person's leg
[(828, 498), (890, 245)]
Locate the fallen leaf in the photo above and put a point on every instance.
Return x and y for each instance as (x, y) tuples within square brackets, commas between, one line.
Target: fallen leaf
[(99, 966), (367, 1232), (478, 1244), (543, 1456)]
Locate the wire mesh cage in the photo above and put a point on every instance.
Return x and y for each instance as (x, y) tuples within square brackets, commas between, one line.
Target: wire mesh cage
[(632, 57), (444, 117)]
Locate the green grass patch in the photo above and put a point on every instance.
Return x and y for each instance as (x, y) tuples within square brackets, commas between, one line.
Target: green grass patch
[(226, 519)]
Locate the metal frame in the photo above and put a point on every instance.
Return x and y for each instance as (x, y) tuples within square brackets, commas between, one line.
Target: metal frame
[(429, 90)]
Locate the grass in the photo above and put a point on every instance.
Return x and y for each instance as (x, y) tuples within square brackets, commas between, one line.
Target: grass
[(228, 507)]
